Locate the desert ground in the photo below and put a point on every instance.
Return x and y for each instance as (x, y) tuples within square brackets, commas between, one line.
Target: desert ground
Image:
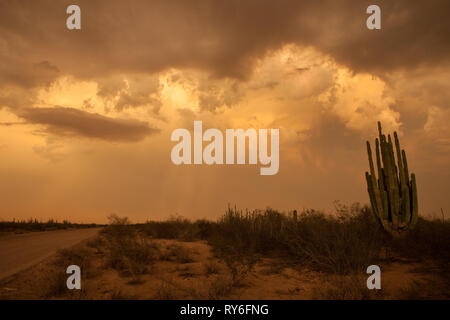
[(254, 255), (19, 251)]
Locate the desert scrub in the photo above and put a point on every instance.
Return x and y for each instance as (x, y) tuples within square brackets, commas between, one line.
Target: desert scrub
[(127, 250), (431, 239), (31, 225), (97, 243), (56, 277), (176, 252), (54, 283), (253, 231), (118, 294), (350, 287), (342, 244), (220, 287), (165, 291), (240, 266), (178, 228), (211, 267), (131, 255)]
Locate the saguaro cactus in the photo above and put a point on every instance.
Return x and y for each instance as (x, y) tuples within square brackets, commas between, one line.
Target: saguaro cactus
[(393, 195)]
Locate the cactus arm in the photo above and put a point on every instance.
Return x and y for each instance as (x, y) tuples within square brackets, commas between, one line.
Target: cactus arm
[(406, 206), (408, 195), (390, 150), (385, 205), (379, 129), (372, 197), (404, 214), (375, 189), (415, 202), (399, 159), (379, 166), (396, 192), (369, 153), (397, 204), (389, 172), (405, 167)]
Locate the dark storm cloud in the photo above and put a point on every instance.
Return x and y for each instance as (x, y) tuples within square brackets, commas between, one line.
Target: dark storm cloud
[(18, 71), (9, 124), (69, 121), (222, 37)]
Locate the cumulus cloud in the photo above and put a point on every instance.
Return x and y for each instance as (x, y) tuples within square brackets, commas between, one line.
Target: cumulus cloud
[(130, 91), (70, 121)]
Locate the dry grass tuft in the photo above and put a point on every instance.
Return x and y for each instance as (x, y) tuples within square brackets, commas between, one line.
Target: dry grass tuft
[(55, 277), (211, 267), (220, 287), (350, 287)]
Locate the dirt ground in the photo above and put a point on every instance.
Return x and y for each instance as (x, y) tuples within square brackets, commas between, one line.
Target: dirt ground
[(19, 251), (201, 275)]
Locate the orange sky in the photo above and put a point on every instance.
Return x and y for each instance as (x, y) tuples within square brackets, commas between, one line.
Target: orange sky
[(86, 116)]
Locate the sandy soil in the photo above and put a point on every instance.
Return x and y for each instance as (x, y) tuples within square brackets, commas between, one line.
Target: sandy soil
[(20, 251), (207, 277)]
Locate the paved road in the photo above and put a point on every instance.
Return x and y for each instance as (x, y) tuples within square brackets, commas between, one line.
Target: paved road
[(20, 251)]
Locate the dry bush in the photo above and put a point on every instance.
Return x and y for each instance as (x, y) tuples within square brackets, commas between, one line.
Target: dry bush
[(239, 265), (211, 267), (54, 284), (127, 250), (431, 239), (427, 289), (170, 289), (97, 243), (118, 294), (178, 253), (77, 255), (274, 268), (345, 243), (132, 256), (165, 291), (182, 254), (178, 228), (56, 276), (414, 291), (350, 287), (31, 225), (220, 287)]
